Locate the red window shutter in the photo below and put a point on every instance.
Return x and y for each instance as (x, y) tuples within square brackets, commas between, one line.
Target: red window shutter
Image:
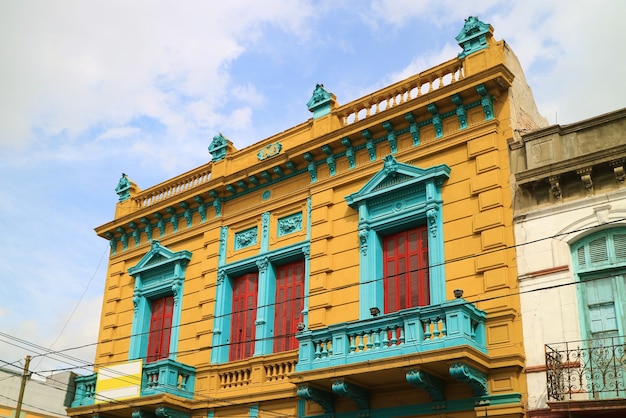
[(405, 268), (242, 330), (289, 304), (160, 329)]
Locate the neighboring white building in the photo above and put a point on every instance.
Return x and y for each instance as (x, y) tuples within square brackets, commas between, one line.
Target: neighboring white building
[(42, 398), (570, 232)]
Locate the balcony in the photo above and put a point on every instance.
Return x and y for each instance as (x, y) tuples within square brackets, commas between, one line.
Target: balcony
[(586, 370), (411, 331), (161, 377)]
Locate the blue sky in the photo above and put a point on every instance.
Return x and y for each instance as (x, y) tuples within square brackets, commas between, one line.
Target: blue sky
[(89, 90)]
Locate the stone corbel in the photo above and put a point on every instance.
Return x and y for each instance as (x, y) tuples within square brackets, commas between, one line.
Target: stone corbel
[(585, 176), (476, 380), (391, 137), (431, 384), (165, 412), (160, 222), (320, 397), (311, 167), (432, 108), (174, 217), (123, 237), (413, 128), (330, 159), (618, 169), (349, 151), (369, 143), (359, 395), (140, 413), (460, 111), (555, 187), (201, 207), (136, 231), (186, 213)]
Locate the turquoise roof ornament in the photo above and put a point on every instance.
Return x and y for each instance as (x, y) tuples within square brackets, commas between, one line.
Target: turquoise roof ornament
[(123, 188), (473, 37), (321, 102), (218, 147)]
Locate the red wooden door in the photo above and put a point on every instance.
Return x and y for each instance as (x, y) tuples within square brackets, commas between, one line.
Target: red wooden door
[(160, 329), (242, 334), (289, 304), (406, 269)]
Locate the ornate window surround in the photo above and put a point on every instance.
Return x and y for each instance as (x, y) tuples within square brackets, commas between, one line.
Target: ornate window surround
[(397, 197), (159, 273)]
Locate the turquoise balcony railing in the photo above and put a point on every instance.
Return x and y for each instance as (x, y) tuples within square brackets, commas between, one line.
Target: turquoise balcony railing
[(450, 324), (85, 390), (164, 376), (168, 376)]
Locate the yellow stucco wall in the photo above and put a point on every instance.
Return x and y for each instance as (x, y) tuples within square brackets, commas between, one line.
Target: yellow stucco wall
[(477, 221)]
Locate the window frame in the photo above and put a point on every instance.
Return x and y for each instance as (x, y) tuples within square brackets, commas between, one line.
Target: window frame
[(396, 198), (160, 273)]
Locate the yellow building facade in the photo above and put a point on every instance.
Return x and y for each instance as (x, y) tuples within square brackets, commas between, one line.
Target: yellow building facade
[(361, 263)]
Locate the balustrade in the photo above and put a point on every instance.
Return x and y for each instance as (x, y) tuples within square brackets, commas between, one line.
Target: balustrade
[(412, 330), (401, 92), (168, 376), (173, 187), (85, 390), (586, 369)]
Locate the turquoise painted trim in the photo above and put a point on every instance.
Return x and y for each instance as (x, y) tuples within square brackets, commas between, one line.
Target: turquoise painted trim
[(350, 153), (85, 392), (161, 272), (397, 197), (451, 324), (168, 376), (254, 411), (264, 264), (265, 232), (611, 266), (210, 414), (430, 408)]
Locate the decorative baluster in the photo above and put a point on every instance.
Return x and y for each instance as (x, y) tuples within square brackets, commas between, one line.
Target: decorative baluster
[(436, 327), (401, 335), (356, 115), (370, 343), (361, 346), (318, 350), (444, 330), (377, 339), (386, 337), (325, 349), (352, 339), (394, 336), (426, 324)]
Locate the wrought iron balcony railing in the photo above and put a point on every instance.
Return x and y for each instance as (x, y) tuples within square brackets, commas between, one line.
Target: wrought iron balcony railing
[(450, 324), (164, 376), (586, 369)]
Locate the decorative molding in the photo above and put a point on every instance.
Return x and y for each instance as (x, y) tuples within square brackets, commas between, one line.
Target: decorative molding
[(290, 224), (173, 217), (359, 395), (186, 213), (201, 207), (246, 238), (431, 384), (475, 379), (618, 170), (270, 150)]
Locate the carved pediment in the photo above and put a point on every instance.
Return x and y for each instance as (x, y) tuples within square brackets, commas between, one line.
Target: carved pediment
[(159, 256), (396, 178)]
